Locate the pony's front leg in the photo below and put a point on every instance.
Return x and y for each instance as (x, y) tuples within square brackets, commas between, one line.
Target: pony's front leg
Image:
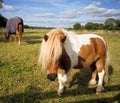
[(62, 78)]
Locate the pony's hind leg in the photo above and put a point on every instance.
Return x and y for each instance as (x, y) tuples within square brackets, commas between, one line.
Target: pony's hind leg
[(19, 38), (100, 65), (20, 34)]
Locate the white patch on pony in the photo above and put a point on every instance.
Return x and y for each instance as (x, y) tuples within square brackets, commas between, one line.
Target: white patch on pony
[(100, 77), (62, 79), (100, 87)]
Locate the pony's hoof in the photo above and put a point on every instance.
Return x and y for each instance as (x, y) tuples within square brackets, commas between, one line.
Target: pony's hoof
[(61, 91), (92, 82), (18, 44), (59, 94), (99, 88)]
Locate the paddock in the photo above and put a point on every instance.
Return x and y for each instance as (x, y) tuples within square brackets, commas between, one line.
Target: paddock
[(21, 79)]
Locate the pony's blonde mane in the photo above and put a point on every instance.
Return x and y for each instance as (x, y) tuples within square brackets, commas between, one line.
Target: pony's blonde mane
[(51, 49)]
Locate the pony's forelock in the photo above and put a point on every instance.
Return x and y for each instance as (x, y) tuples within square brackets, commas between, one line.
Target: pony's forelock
[(48, 48)]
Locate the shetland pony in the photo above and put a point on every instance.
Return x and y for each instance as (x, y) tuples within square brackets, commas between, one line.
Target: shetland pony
[(62, 50), (14, 26)]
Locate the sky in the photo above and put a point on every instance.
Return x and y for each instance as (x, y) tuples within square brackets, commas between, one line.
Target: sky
[(61, 13)]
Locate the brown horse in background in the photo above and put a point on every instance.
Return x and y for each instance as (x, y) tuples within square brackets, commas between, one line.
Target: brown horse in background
[(14, 26)]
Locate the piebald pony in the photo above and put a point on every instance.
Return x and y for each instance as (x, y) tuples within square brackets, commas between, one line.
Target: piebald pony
[(62, 50)]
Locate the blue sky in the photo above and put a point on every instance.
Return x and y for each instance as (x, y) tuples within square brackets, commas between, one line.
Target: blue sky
[(61, 13)]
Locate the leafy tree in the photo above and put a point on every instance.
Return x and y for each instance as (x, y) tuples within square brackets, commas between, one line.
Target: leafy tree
[(93, 26), (111, 24), (89, 26), (1, 1), (3, 21), (117, 25), (77, 26)]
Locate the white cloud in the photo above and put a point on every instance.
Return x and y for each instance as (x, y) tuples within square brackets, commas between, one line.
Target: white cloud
[(70, 14), (48, 15), (62, 15), (94, 10), (112, 12), (57, 4), (7, 7)]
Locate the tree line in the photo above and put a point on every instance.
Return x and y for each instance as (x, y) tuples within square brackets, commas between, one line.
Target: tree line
[(3, 21), (109, 24)]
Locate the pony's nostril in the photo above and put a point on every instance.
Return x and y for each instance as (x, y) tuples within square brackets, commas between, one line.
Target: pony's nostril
[(48, 76), (52, 76)]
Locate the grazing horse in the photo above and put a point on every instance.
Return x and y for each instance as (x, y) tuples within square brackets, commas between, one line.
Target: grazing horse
[(63, 50), (14, 26)]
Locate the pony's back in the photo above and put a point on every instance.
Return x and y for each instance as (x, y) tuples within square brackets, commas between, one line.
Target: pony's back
[(11, 25)]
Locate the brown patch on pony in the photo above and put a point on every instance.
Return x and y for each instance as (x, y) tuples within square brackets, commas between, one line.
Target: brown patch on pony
[(86, 55), (100, 51), (52, 68), (100, 46), (65, 62)]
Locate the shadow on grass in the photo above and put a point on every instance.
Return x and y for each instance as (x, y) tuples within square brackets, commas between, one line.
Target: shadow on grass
[(32, 39), (28, 39), (84, 76), (110, 70), (34, 94), (115, 99)]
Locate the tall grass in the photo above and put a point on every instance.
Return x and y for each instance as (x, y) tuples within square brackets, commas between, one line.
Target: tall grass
[(22, 81)]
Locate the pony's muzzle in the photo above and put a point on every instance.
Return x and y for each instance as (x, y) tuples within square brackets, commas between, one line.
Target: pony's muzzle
[(52, 76)]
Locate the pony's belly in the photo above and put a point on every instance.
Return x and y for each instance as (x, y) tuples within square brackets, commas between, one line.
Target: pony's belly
[(82, 65)]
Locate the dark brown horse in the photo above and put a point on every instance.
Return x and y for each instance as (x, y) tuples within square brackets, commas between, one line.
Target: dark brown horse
[(14, 26), (62, 50)]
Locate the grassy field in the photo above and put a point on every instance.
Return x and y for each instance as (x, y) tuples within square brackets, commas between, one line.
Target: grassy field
[(22, 81)]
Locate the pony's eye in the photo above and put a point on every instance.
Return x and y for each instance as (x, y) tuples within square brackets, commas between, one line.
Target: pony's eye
[(45, 37), (63, 39)]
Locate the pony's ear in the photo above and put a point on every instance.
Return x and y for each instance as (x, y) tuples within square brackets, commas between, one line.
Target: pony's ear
[(63, 39), (45, 37)]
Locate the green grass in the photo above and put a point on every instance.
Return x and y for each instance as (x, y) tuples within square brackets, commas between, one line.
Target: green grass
[(22, 81)]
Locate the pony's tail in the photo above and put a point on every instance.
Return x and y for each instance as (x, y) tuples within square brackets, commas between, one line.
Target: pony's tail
[(107, 76), (19, 28)]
